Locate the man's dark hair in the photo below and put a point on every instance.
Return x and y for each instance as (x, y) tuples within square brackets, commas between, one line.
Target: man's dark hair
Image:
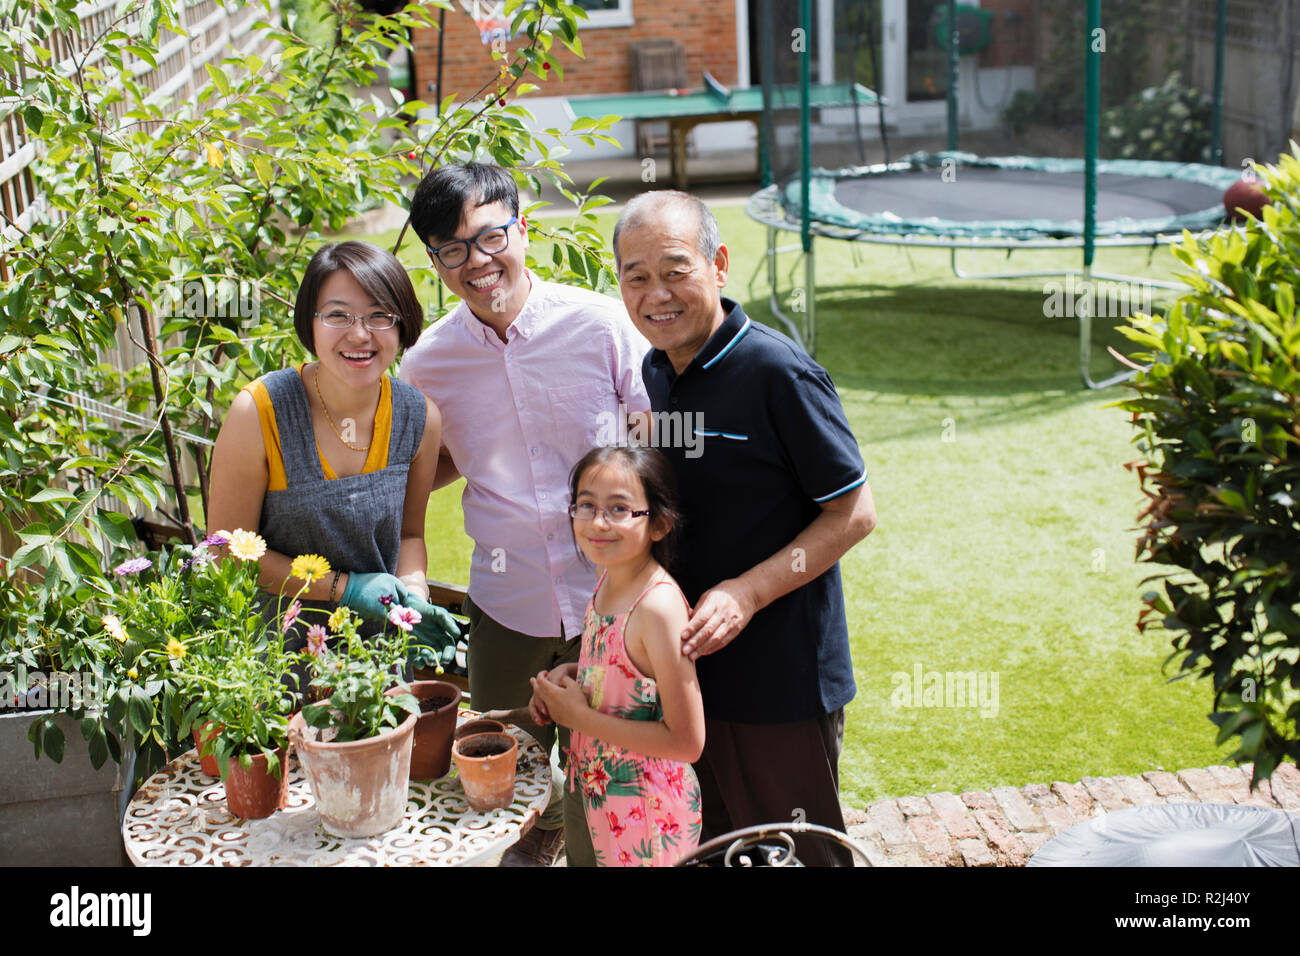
[(439, 202), (376, 270)]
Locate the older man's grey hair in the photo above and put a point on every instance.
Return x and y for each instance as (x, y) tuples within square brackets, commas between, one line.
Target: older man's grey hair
[(650, 206)]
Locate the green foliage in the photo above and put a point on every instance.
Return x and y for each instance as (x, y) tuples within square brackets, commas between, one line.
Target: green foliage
[(1132, 31), (246, 690), (356, 676), (1219, 413), (183, 638), (174, 236), (1167, 122)]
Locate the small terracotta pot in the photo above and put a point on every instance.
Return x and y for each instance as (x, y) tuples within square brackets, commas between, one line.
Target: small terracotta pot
[(202, 733), (360, 785), (256, 792), (482, 725), (489, 780), (431, 753)]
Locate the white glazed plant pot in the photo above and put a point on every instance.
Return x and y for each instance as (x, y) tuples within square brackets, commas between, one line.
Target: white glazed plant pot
[(361, 785)]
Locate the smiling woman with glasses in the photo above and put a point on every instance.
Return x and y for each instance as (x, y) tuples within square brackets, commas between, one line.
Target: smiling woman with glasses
[(374, 321), (335, 458)]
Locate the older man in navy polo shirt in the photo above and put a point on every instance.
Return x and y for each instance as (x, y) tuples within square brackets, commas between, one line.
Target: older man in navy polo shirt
[(771, 500)]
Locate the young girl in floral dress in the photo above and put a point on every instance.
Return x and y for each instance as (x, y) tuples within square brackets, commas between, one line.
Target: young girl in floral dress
[(632, 700)]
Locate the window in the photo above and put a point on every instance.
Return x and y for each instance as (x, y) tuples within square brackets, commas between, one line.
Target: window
[(606, 13)]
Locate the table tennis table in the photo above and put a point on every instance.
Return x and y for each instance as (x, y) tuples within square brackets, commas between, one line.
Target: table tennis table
[(683, 110)]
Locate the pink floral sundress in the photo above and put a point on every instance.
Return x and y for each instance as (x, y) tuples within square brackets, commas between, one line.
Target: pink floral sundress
[(641, 811)]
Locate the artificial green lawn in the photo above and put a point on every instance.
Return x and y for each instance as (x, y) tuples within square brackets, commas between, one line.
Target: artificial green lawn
[(1005, 542)]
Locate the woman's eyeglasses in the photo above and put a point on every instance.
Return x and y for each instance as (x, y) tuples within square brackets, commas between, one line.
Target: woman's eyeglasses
[(374, 321)]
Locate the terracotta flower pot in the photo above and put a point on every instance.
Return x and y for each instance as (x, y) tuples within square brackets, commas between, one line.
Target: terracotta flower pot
[(486, 765), (202, 733), (482, 725), (256, 792), (360, 785), (431, 753)]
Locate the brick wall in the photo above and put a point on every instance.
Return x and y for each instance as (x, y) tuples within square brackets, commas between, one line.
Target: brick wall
[(706, 28)]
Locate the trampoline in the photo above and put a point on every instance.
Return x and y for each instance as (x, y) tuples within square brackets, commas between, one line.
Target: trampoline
[(1000, 198), (961, 201)]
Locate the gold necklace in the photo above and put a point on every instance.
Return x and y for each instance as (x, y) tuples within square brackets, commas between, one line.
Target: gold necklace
[(330, 418)]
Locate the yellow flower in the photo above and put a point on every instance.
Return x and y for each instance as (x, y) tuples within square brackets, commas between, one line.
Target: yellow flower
[(247, 545), (114, 627), (309, 567), (215, 157), (132, 673), (175, 648), (339, 618)]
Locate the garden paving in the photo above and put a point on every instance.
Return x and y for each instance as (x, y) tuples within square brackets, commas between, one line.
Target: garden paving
[(1006, 826)]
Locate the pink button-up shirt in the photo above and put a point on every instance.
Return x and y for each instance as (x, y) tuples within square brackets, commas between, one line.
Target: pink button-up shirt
[(516, 417)]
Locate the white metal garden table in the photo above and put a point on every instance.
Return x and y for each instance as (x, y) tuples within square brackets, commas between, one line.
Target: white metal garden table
[(179, 818)]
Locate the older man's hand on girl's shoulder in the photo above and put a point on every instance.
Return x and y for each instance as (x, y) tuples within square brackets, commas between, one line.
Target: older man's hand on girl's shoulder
[(721, 613)]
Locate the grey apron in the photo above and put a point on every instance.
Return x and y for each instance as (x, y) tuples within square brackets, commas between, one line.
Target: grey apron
[(355, 523)]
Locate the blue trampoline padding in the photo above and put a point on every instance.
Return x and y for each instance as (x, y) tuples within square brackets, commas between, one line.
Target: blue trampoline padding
[(1014, 197), (1178, 834)]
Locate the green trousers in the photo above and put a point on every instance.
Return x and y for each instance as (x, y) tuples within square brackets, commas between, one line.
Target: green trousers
[(501, 661)]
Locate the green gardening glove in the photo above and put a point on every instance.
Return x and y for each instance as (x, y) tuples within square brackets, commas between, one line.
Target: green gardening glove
[(365, 594), (434, 638)]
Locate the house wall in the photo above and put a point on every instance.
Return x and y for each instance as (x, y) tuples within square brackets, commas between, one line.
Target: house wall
[(706, 29)]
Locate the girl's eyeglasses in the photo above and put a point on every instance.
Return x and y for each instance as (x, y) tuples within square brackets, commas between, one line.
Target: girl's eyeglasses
[(616, 514)]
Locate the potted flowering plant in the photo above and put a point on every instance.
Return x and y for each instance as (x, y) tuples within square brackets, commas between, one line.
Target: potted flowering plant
[(247, 701), (166, 607), (223, 666), (355, 743)]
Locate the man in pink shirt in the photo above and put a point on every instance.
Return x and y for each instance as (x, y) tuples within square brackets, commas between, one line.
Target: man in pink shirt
[(528, 376)]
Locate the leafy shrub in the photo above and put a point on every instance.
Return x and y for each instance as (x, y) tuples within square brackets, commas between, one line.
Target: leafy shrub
[(1167, 122), (175, 234), (1219, 413), (1133, 40)]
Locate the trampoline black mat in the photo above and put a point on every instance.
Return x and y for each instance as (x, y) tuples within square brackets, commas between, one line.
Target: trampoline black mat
[(1015, 197), (983, 195)]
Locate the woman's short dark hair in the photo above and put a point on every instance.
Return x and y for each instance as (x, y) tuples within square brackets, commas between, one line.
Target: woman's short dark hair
[(438, 205), (376, 270), (657, 479)]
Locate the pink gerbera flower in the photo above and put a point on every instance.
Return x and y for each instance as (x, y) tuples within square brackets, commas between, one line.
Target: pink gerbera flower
[(404, 617), (316, 635), (290, 616)]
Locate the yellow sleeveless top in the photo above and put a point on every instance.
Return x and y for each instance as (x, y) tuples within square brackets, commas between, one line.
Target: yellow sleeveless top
[(376, 460)]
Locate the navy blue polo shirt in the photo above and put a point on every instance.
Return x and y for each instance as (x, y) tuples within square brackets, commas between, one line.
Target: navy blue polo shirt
[(767, 441)]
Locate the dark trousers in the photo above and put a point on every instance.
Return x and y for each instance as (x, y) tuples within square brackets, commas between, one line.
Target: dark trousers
[(752, 774)]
